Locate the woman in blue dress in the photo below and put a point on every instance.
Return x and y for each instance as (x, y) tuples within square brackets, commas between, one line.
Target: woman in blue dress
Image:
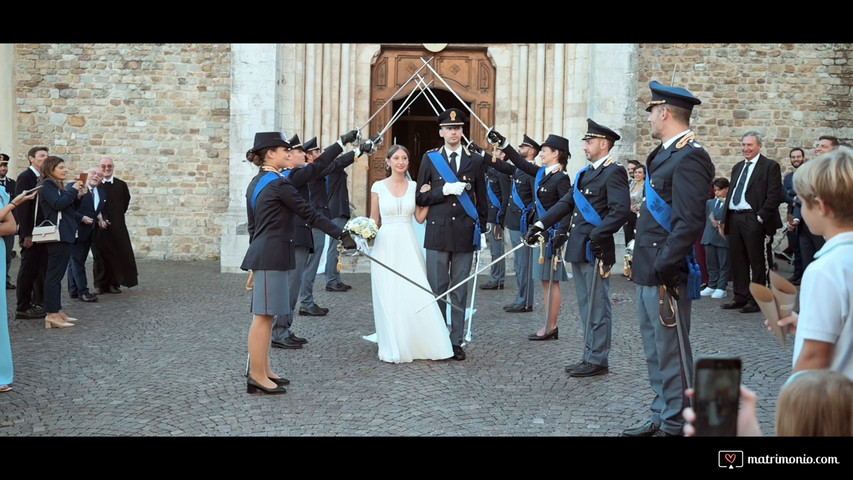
[(8, 226)]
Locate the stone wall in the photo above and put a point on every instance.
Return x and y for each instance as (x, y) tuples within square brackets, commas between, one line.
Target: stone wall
[(161, 111), (790, 93)]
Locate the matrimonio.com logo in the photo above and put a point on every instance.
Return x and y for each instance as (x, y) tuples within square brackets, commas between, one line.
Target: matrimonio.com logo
[(730, 459)]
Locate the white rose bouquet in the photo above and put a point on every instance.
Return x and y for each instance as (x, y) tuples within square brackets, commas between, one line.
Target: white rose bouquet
[(362, 229)]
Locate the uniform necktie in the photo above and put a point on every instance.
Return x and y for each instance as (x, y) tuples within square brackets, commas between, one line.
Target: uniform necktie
[(453, 161), (740, 184)]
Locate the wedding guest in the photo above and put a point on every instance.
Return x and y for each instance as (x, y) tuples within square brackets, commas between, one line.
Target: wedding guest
[(88, 215), (114, 261), (55, 200), (8, 185), (7, 225), (716, 246), (31, 271), (271, 203)]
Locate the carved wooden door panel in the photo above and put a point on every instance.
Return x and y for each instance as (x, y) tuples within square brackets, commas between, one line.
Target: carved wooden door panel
[(469, 73)]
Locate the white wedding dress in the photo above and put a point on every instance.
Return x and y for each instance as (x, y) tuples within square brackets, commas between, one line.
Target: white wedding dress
[(403, 333)]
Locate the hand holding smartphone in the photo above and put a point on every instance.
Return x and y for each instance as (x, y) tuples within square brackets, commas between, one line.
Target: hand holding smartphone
[(83, 178), (716, 396), (27, 192)]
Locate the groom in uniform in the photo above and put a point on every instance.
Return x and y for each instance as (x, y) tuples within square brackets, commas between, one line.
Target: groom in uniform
[(457, 216)]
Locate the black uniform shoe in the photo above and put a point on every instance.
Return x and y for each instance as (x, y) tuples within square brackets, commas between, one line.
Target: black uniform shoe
[(286, 344), (296, 339), (750, 308), (589, 370), (645, 430), (518, 309), (313, 311), (88, 297), (492, 286), (336, 287), (458, 353), (571, 368)]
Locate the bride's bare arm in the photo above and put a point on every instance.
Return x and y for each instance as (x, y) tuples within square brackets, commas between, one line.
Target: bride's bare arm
[(374, 209), (422, 212)]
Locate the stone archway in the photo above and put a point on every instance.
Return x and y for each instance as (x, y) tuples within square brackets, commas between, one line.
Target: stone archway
[(468, 71)]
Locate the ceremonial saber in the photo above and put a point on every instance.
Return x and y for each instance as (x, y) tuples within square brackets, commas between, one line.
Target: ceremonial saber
[(391, 98), (437, 101), (436, 297), (463, 282), (465, 104), (679, 332), (406, 104)]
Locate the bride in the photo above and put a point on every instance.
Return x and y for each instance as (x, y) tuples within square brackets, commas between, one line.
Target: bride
[(403, 334)]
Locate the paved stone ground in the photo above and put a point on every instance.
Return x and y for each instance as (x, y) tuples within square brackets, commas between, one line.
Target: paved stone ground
[(167, 358)]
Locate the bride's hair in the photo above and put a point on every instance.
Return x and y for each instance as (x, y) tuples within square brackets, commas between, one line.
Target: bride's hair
[(391, 151)]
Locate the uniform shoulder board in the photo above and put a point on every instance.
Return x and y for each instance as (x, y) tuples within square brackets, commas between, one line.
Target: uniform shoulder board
[(696, 144), (434, 150), (609, 161)]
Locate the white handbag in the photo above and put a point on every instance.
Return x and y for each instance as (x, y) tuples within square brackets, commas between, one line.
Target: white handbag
[(46, 232)]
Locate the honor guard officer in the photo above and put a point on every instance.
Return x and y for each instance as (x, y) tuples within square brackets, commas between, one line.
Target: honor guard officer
[(497, 188), (519, 214), (457, 216), (679, 175), (599, 206)]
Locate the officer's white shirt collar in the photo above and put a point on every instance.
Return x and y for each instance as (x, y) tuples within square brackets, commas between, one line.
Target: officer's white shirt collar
[(598, 162), (458, 151), (551, 168), (672, 140)]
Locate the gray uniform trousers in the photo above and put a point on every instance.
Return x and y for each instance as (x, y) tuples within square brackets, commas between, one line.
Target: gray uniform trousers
[(496, 248), (663, 358), (331, 270), (309, 274), (282, 323), (523, 270), (598, 328), (444, 270)]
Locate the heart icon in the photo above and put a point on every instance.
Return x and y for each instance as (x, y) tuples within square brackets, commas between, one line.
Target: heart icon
[(731, 457)]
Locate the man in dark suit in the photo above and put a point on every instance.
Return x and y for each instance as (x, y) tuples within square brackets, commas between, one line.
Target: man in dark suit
[(33, 266), (8, 184), (599, 206), (679, 173), (88, 208), (752, 215), (456, 218), (797, 156)]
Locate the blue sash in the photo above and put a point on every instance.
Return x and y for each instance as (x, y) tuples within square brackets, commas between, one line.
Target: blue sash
[(587, 211), (444, 170), (516, 199), (496, 202), (540, 210), (262, 183), (662, 213)]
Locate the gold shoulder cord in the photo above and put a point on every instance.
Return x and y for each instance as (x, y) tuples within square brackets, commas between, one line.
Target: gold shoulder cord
[(685, 140)]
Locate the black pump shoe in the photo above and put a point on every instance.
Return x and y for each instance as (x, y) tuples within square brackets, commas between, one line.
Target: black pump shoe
[(255, 387), (552, 335), (280, 381)]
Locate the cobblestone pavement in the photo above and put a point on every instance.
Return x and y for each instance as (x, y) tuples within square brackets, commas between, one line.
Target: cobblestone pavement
[(167, 358)]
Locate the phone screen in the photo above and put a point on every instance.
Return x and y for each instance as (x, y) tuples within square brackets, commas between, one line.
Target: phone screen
[(716, 396)]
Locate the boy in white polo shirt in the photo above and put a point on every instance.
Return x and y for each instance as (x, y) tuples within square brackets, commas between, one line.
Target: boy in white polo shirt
[(824, 326)]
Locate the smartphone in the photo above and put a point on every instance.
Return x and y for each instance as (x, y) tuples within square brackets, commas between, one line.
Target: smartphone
[(27, 192), (716, 396), (83, 177)]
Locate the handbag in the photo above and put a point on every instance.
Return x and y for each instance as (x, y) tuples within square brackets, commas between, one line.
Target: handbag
[(46, 232)]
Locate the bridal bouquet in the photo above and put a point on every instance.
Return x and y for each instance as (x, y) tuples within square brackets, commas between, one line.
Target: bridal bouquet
[(362, 230)]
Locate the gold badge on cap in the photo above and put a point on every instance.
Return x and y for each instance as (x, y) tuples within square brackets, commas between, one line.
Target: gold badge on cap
[(452, 116)]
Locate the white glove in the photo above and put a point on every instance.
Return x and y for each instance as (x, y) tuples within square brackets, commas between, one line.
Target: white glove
[(455, 188)]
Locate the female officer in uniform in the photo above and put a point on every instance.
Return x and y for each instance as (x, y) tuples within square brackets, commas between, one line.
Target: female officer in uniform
[(550, 185), (271, 203)]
